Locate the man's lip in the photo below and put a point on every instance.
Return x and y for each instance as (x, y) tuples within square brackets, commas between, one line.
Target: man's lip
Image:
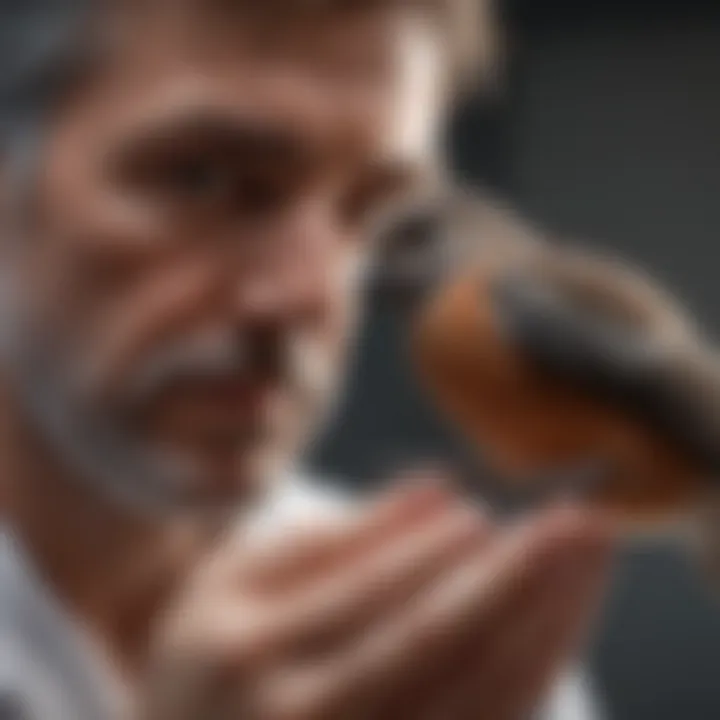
[(229, 395), (227, 389)]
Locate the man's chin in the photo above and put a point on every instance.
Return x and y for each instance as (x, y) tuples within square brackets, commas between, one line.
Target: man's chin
[(228, 484)]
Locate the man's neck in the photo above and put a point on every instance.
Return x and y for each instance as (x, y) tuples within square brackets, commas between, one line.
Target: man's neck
[(110, 568)]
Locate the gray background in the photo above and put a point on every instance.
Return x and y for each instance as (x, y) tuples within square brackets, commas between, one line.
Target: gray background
[(609, 131)]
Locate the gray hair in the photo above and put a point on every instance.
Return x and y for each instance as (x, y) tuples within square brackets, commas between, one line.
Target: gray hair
[(41, 52), (46, 44)]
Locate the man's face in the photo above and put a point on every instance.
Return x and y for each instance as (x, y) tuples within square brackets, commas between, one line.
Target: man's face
[(188, 283)]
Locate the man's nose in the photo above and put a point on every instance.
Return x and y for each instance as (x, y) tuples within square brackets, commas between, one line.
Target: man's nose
[(278, 296), (289, 273)]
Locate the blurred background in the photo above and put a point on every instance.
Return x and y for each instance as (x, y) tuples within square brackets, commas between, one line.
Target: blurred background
[(605, 126)]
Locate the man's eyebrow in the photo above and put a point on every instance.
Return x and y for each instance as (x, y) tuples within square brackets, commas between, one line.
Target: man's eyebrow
[(233, 132), (397, 174)]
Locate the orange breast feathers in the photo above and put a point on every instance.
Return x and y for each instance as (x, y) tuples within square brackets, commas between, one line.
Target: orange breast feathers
[(549, 360)]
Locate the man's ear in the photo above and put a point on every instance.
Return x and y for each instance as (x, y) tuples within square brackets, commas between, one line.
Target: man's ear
[(15, 208), (9, 190), (19, 171), (8, 193)]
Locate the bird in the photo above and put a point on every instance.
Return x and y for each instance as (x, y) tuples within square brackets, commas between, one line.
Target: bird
[(568, 369)]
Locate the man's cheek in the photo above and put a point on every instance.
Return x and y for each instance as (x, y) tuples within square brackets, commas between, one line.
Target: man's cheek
[(347, 329)]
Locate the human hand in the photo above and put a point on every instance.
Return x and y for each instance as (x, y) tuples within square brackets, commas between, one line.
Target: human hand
[(417, 608)]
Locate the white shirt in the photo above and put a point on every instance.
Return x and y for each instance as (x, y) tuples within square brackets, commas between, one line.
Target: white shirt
[(50, 669)]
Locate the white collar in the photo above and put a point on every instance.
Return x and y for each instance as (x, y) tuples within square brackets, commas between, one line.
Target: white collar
[(62, 650), (48, 635)]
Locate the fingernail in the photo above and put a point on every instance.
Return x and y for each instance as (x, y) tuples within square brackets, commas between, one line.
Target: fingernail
[(472, 521), (419, 497), (579, 525), (585, 560), (571, 544), (425, 475)]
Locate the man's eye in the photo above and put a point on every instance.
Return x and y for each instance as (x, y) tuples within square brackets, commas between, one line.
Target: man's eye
[(257, 194), (208, 181), (197, 178)]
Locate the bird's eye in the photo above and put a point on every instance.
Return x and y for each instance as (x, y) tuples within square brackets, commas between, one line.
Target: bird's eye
[(412, 235)]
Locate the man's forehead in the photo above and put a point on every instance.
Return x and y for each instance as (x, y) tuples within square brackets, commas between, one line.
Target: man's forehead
[(382, 53), (420, 99), (360, 33)]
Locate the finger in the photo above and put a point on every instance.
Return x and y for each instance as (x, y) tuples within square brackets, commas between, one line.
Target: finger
[(335, 614), (551, 647), (267, 625), (347, 604), (462, 605), (434, 687), (309, 622), (512, 674), (305, 553), (303, 559)]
